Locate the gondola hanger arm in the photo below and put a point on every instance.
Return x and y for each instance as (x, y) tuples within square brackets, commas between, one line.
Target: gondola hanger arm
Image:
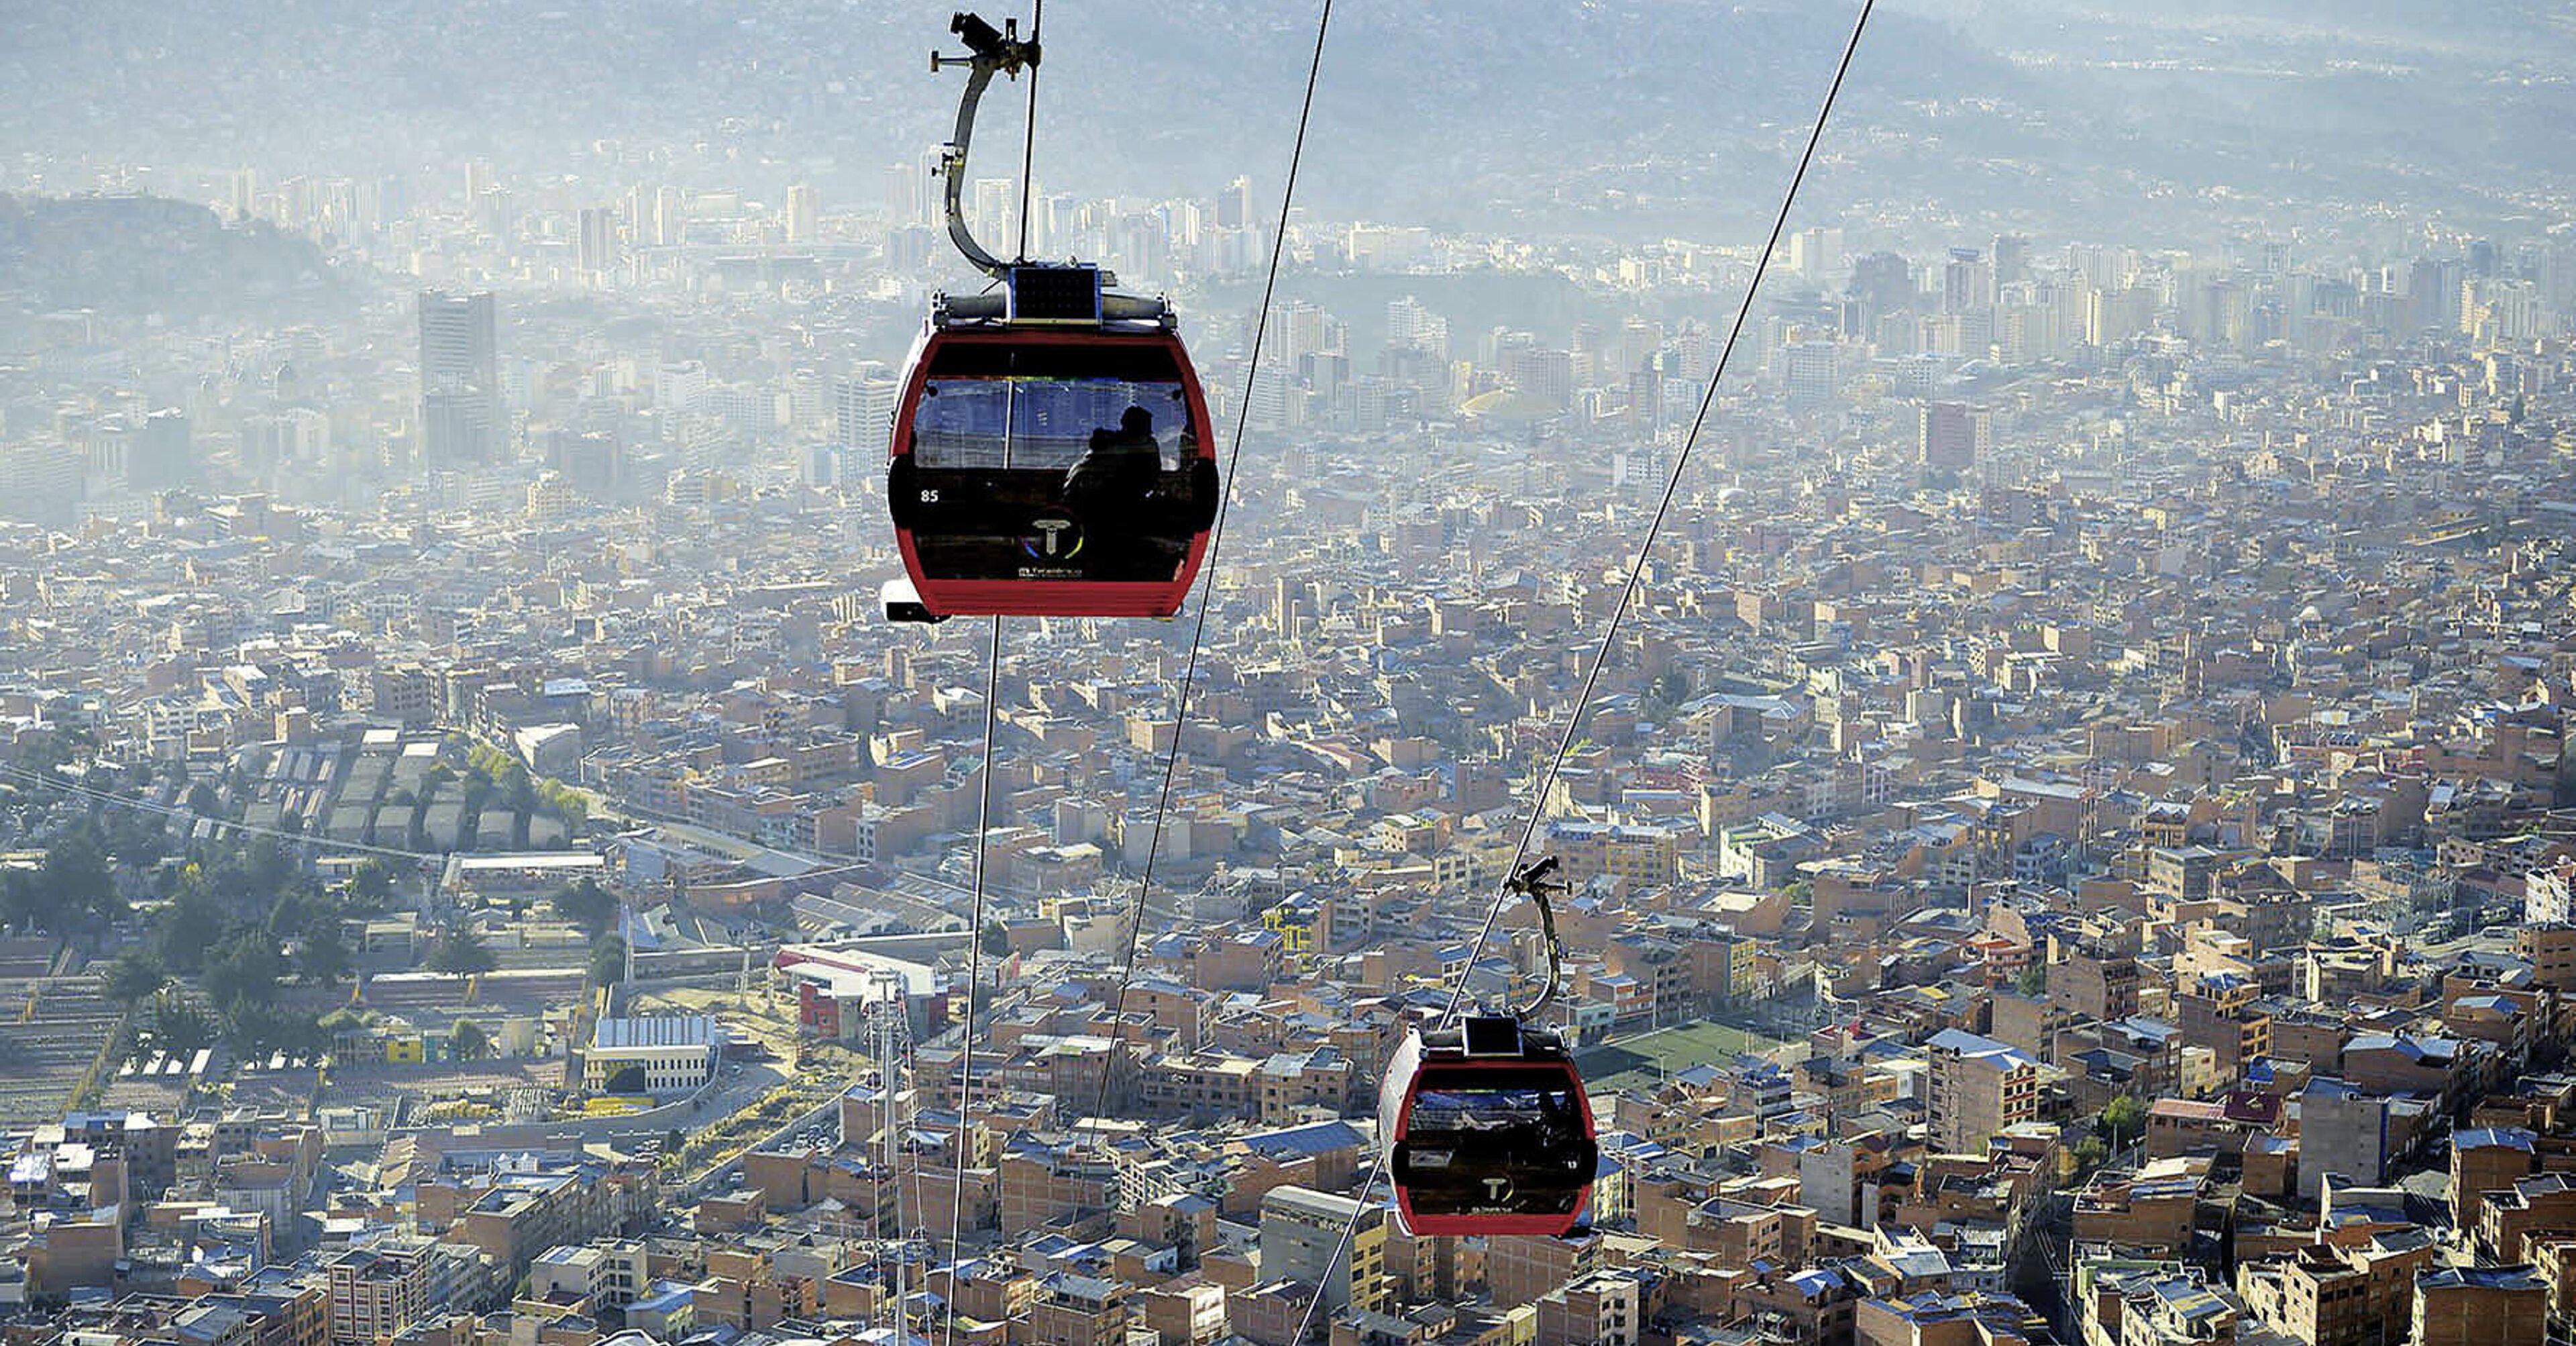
[(989, 51), (1534, 883)]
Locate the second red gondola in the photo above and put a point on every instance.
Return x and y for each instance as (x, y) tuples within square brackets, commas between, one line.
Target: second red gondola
[(1486, 1130)]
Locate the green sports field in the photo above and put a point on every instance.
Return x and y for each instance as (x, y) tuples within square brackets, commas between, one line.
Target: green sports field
[(1634, 1061)]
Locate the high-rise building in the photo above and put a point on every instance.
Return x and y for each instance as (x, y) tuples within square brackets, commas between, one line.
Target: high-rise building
[(386, 202), (1403, 316), (1816, 253), (1883, 282), (1301, 1240), (2011, 253), (598, 242), (804, 213), (461, 415), (376, 1294), (1951, 435), (996, 213), (1234, 205), (2433, 293), (160, 458), (593, 465), (670, 217), (903, 193), (930, 186), (1809, 370), (42, 482), (1302, 330), (1966, 281), (863, 408), (1540, 374)]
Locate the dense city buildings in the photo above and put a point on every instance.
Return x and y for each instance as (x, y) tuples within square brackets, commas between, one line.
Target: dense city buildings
[(2071, 840)]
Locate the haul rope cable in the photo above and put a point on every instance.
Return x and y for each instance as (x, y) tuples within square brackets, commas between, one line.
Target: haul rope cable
[(1216, 538), (1029, 132), (984, 792), (974, 974), (1708, 398), (1654, 526)]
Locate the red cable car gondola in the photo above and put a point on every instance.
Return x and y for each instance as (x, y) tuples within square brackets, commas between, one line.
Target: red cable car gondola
[(1045, 468), (1485, 1128), (1051, 454)]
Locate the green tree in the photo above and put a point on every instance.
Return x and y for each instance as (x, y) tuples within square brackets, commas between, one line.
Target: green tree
[(295, 909), (176, 1025), (74, 884), (46, 753), (258, 1028), (469, 1041), (996, 940), (18, 900), (563, 801), (244, 972), (268, 870), (136, 838), (371, 886), (204, 802), (188, 930), (460, 953), (607, 961), (2090, 1153), (2124, 1120), (322, 954), (2033, 980), (587, 903), (135, 978)]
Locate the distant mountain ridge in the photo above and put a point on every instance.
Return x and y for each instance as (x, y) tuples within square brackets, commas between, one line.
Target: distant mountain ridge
[(132, 256), (1136, 94), (1622, 114)]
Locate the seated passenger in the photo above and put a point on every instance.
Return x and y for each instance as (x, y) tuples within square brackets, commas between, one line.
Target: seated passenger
[(1115, 487), (1122, 465)]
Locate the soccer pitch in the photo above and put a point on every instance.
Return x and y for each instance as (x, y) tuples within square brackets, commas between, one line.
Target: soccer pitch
[(1642, 1061)]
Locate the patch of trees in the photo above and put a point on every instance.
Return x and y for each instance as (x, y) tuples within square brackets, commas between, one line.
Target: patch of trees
[(246, 923)]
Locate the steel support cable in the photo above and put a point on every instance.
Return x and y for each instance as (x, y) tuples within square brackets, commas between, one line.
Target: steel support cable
[(1655, 526), (1207, 580), (1708, 399), (1029, 132), (911, 1069), (974, 975)]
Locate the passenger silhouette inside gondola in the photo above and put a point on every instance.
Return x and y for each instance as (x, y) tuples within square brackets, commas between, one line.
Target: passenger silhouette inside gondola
[(1116, 488)]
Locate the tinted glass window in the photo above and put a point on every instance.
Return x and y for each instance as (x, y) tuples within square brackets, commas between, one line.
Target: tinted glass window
[(1040, 423), (1055, 463)]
